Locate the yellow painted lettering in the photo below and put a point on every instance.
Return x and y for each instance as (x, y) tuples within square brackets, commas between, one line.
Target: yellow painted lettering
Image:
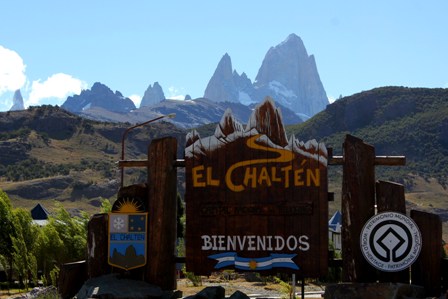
[(229, 182), (264, 177), (274, 177), (250, 176), (314, 177), (210, 180), (197, 176), (286, 170), (298, 180)]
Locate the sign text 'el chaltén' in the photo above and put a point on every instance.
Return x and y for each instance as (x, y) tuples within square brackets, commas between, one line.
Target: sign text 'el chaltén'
[(255, 199)]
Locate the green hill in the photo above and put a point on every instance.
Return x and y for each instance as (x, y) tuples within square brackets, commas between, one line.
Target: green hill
[(49, 154), (398, 121)]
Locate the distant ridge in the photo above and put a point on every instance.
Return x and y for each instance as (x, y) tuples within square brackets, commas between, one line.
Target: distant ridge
[(397, 120), (99, 96), (49, 153), (288, 75)]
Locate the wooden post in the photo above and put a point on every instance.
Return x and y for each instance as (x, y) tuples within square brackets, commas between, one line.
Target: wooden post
[(390, 197), (162, 179), (97, 246), (71, 278), (426, 269), (358, 200)]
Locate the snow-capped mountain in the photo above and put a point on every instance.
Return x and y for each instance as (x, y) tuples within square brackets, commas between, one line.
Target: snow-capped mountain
[(288, 75)]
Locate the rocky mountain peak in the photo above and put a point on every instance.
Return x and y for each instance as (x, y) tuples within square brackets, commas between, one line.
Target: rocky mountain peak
[(99, 96), (221, 87), (17, 101), (153, 95), (283, 61), (288, 75)]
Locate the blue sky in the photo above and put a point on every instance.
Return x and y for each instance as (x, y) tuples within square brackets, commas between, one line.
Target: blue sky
[(51, 49)]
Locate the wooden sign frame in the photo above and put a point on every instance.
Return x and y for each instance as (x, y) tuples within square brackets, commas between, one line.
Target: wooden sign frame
[(256, 201)]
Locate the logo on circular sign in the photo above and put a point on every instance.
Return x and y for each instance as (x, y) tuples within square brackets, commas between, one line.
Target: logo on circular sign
[(390, 241)]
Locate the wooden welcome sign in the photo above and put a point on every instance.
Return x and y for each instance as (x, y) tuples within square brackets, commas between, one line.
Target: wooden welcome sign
[(256, 201)]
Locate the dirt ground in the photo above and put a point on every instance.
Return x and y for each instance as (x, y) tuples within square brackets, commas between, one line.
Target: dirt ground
[(250, 284), (251, 287)]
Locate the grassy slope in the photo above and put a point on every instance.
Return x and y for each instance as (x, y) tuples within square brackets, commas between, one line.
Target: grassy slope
[(398, 121), (88, 149)]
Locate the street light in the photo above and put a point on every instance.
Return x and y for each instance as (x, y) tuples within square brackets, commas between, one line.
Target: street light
[(125, 133)]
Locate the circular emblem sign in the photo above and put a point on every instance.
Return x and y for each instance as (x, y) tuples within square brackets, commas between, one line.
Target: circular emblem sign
[(390, 241)]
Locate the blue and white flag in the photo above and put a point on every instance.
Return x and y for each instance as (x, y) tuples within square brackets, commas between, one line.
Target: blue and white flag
[(274, 260)]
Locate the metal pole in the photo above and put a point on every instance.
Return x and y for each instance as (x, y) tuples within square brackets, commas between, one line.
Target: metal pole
[(303, 287), (125, 133), (293, 285)]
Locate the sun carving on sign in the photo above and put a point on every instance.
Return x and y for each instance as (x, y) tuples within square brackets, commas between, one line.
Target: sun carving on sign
[(128, 205), (253, 264)]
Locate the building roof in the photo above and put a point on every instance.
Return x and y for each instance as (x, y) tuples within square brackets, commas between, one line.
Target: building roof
[(39, 212), (335, 221)]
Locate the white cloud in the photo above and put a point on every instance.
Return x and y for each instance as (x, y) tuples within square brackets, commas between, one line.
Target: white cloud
[(58, 86), (136, 99), (12, 71), (331, 99), (175, 93), (177, 98)]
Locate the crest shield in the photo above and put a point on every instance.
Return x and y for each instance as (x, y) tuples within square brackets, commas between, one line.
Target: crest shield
[(127, 240)]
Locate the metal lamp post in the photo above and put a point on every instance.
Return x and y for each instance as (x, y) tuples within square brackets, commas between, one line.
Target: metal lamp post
[(125, 133)]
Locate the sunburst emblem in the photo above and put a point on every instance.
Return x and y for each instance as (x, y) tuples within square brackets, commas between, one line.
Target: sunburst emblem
[(129, 205), (253, 264)]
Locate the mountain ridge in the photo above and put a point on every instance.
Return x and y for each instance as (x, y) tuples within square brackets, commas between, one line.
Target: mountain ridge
[(98, 96), (396, 120), (287, 74), (49, 153)]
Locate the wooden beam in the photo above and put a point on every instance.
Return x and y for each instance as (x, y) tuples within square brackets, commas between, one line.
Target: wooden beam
[(379, 160), (133, 163), (145, 163), (179, 163), (332, 160)]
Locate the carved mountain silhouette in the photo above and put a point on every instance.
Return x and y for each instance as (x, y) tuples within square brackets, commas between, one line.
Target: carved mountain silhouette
[(265, 120), (129, 260)]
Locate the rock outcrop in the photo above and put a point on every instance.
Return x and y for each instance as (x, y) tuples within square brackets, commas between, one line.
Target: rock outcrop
[(153, 95), (290, 76), (99, 96), (222, 86), (197, 112), (17, 101), (287, 74), (112, 286)]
